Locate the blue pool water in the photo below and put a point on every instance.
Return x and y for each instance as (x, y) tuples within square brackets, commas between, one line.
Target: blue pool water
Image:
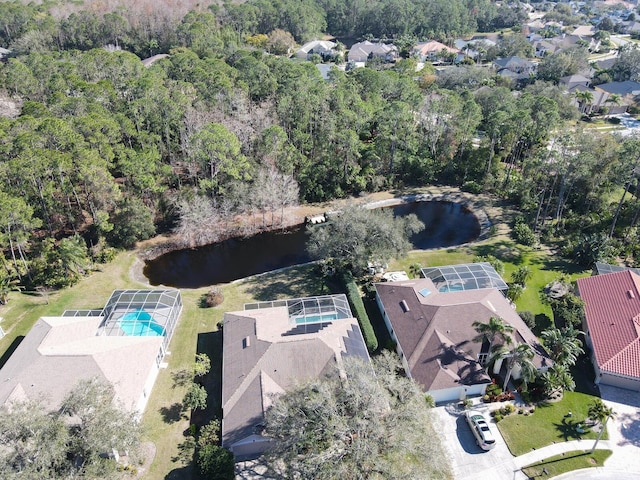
[(140, 323), (323, 317), (450, 288)]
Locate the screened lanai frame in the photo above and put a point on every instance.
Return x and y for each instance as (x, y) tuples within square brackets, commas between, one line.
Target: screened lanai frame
[(466, 276), (310, 309), (160, 307)]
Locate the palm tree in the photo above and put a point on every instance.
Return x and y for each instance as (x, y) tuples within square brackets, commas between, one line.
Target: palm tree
[(615, 99), (415, 269), (496, 328), (7, 285), (521, 275), (557, 377), (584, 98), (563, 346), (72, 253), (519, 356), (600, 412)]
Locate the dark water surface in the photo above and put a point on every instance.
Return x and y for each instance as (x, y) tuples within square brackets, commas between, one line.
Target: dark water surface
[(447, 224)]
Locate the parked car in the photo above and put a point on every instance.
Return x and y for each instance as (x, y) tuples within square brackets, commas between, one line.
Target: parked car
[(480, 429)]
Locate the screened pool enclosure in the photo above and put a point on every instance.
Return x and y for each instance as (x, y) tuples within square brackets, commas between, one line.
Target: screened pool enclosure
[(306, 310), (467, 276)]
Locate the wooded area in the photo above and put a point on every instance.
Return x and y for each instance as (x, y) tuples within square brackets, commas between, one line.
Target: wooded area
[(106, 151)]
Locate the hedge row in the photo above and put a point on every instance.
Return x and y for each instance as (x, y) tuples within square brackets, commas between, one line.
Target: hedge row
[(355, 302)]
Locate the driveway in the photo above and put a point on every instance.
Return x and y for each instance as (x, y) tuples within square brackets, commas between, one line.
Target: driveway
[(632, 126), (469, 461)]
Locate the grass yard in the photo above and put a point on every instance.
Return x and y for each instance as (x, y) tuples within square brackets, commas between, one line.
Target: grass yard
[(566, 462), (547, 424), (545, 268), (93, 291), (164, 421)]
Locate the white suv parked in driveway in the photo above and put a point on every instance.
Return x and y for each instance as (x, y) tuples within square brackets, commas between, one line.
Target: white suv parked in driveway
[(480, 429)]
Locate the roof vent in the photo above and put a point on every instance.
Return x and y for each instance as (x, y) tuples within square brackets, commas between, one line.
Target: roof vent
[(631, 294), (404, 306), (246, 342)]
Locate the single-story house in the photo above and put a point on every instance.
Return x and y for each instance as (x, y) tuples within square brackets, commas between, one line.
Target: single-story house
[(628, 91), (122, 344), (270, 347), (599, 99), (431, 321), (364, 51), (612, 326), (432, 51), (514, 67), (571, 81), (324, 48)]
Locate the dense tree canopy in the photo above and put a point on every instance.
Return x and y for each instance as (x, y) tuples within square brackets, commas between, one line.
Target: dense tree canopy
[(356, 236), (360, 425), (69, 443), (224, 137)]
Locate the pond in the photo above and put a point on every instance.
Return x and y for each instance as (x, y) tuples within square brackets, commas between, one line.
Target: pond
[(447, 224)]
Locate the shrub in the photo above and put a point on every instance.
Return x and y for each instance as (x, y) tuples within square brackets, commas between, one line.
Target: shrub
[(508, 409), (472, 187), (213, 297), (493, 390), (498, 417), (355, 301), (528, 318), (523, 234)]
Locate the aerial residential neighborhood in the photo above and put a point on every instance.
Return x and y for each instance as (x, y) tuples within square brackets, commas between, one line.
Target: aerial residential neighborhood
[(312, 239)]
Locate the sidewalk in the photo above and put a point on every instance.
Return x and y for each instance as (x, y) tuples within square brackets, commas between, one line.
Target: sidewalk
[(557, 449)]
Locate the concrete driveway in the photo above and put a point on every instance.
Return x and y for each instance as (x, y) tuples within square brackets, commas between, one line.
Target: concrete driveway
[(468, 460)]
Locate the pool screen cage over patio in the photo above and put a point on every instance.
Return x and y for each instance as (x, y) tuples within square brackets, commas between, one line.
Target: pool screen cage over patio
[(467, 276), (142, 313), (310, 308)]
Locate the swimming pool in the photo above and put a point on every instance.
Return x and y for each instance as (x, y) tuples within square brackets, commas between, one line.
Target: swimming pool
[(140, 323), (451, 288), (322, 317)]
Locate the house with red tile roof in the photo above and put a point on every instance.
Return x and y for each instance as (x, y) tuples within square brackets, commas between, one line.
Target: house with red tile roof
[(612, 326), (432, 325)]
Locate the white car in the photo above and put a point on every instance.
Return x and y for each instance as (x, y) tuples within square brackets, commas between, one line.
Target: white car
[(480, 429)]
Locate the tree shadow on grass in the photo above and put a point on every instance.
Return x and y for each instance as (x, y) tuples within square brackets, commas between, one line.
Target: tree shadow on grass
[(210, 343), (504, 250), (172, 414), (290, 283), (567, 430)]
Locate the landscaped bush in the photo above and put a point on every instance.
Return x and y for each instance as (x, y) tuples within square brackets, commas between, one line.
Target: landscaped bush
[(523, 234), (355, 301), (528, 318), (213, 297), (472, 187)]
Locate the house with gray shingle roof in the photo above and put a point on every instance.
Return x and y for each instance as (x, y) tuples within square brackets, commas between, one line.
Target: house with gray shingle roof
[(364, 51), (612, 326), (269, 348), (432, 325)]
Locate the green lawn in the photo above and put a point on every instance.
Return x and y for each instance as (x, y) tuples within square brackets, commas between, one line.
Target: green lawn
[(567, 462), (547, 424), (544, 266), (163, 421), (93, 291)]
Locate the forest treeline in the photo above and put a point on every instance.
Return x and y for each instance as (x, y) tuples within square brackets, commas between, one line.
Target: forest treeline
[(218, 135), (145, 28)]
